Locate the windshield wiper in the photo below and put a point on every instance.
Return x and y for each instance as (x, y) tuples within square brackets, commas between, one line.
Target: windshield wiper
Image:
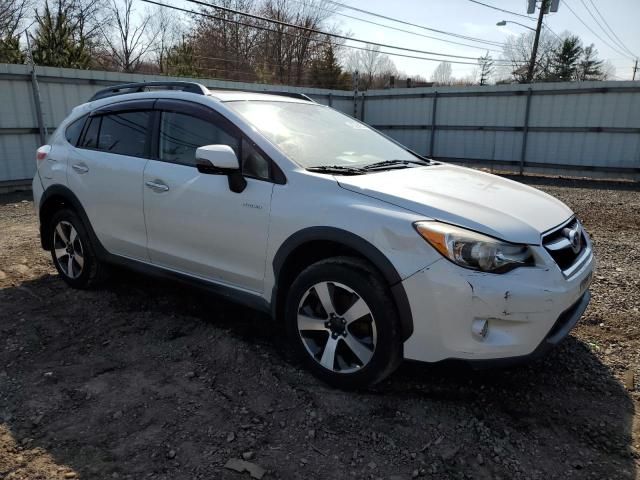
[(337, 169), (395, 163)]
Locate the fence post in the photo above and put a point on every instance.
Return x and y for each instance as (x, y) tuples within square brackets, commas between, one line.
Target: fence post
[(362, 108), (432, 140), (356, 79), (36, 96), (525, 131), (330, 100)]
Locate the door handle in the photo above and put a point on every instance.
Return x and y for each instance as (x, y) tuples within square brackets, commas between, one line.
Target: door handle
[(157, 186), (80, 168)]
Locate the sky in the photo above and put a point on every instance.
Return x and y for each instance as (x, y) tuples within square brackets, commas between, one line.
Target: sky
[(467, 18)]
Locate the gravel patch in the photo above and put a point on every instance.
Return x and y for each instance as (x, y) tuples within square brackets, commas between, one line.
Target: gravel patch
[(149, 379)]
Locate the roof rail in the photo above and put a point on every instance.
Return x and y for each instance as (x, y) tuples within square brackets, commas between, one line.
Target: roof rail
[(121, 89), (299, 96)]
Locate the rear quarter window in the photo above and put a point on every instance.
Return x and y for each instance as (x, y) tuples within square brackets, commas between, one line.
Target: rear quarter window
[(73, 130)]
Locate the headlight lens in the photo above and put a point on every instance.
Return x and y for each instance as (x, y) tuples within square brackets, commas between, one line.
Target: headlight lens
[(473, 250)]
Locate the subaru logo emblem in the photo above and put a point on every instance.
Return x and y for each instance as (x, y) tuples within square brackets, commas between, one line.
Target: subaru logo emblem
[(575, 238)]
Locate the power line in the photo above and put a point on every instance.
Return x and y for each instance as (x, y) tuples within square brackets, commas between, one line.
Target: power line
[(503, 10), (600, 25), (566, 4), (325, 42), (367, 12), (619, 42), (394, 28), (327, 34)]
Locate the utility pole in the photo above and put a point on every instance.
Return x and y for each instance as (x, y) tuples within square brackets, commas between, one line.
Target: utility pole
[(635, 69), (36, 94), (534, 50)]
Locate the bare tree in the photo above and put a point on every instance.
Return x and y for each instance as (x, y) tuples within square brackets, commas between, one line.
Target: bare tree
[(442, 74), (517, 51), (128, 38), (12, 16), (486, 68), (165, 31), (373, 66)]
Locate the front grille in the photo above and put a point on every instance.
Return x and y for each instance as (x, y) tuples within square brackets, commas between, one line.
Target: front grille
[(558, 244)]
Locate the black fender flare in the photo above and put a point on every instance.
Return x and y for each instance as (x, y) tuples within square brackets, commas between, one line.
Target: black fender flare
[(366, 249), (65, 193)]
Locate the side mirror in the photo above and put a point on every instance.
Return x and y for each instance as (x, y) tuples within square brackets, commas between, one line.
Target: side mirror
[(221, 160), (221, 157)]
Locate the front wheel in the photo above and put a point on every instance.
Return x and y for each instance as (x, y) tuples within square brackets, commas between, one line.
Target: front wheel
[(343, 323)]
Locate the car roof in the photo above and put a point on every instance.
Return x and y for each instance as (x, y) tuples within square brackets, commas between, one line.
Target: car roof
[(237, 95)]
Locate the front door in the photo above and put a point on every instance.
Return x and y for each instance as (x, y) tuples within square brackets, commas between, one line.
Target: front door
[(195, 223)]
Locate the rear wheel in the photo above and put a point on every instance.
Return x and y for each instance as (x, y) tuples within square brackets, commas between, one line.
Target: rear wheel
[(72, 252), (343, 323)]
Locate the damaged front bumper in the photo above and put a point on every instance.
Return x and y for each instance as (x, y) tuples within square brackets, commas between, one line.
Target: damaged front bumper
[(522, 313)]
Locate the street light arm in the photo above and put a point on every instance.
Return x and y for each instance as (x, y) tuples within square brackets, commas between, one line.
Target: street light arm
[(504, 22)]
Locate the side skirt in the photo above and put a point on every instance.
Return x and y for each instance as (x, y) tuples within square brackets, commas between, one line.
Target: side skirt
[(226, 292)]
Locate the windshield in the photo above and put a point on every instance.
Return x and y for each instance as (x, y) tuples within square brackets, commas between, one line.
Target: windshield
[(313, 135)]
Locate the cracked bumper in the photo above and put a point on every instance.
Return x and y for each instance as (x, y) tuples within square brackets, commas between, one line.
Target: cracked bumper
[(528, 311)]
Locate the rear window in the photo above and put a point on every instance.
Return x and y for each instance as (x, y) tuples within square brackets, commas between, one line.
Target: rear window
[(90, 139), (124, 133)]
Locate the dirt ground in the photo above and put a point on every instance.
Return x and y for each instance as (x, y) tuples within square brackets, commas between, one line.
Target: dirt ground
[(145, 379)]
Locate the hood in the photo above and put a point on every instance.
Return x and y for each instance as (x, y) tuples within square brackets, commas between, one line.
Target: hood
[(467, 198)]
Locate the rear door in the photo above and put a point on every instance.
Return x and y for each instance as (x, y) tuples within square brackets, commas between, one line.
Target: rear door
[(106, 172), (195, 223)]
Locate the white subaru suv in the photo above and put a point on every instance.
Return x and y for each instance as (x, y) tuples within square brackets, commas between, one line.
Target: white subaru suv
[(364, 251)]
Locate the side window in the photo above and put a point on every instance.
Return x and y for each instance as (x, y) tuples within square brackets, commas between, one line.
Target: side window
[(181, 135), (90, 139), (74, 129), (124, 133), (253, 163)]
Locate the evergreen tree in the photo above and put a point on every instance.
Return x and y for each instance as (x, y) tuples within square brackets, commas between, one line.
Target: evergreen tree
[(10, 51), (590, 67), (56, 42), (326, 72), (565, 60), (181, 60)]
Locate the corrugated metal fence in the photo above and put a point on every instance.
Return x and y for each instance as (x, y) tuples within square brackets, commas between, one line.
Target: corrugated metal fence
[(586, 129)]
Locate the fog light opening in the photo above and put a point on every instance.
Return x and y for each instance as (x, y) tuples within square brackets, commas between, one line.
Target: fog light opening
[(480, 328)]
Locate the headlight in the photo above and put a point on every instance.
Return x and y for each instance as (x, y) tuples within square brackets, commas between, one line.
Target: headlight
[(474, 250)]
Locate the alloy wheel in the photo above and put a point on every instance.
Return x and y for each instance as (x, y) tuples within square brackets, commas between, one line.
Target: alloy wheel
[(337, 327), (68, 249)]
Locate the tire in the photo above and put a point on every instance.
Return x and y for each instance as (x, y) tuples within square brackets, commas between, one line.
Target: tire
[(72, 252), (358, 344)]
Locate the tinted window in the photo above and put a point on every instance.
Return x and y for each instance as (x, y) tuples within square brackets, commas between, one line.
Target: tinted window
[(73, 131), (181, 135), (90, 139), (253, 163), (124, 133)]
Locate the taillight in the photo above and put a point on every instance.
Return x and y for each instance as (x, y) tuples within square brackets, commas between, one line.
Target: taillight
[(42, 153)]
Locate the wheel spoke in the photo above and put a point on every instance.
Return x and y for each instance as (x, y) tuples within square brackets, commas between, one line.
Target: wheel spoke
[(61, 234), (309, 323), (322, 290), (356, 311), (329, 354), (79, 260), (72, 235), (358, 349), (70, 266), (60, 252)]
